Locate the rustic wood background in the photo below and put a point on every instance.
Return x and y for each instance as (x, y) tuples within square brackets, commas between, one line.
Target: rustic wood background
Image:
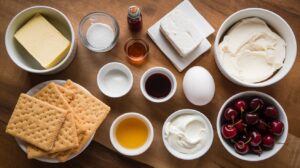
[(85, 66)]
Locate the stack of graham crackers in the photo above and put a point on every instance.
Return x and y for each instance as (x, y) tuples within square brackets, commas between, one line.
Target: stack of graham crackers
[(57, 121)]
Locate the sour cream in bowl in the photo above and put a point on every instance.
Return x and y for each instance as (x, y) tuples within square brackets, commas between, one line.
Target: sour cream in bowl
[(187, 134)]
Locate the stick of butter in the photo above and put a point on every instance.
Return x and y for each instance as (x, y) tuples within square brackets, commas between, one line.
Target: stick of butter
[(181, 32), (43, 41)]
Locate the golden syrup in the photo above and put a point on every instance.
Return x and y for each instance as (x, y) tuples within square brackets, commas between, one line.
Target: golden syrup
[(132, 133)]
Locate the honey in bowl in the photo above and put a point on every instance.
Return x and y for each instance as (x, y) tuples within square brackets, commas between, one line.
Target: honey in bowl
[(131, 133), (136, 50)]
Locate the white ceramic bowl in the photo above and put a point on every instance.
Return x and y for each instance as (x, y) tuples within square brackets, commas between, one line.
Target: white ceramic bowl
[(119, 147), (21, 57), (266, 153), (114, 79), (198, 153), (155, 70), (275, 22)]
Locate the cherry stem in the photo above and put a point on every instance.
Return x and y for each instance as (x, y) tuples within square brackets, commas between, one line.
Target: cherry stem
[(245, 130), (255, 109), (233, 124), (248, 140)]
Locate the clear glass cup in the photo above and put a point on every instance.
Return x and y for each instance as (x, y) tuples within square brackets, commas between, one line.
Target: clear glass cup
[(99, 31), (136, 50)]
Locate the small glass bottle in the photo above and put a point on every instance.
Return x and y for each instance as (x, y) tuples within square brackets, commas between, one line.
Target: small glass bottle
[(134, 18)]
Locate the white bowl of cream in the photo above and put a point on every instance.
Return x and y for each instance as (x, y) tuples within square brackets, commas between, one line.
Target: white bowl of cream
[(255, 48), (187, 134)]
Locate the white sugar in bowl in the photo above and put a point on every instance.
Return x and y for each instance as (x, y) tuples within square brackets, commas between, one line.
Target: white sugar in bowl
[(198, 86)]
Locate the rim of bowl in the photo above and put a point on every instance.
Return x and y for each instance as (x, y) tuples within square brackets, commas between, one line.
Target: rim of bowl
[(199, 153), (269, 98), (166, 72), (41, 71), (119, 147), (83, 38), (127, 72), (234, 79)]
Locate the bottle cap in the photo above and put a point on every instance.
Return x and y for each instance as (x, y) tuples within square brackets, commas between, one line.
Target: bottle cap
[(134, 12)]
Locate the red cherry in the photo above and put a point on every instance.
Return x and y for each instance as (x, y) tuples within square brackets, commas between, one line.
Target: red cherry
[(229, 131), (241, 147), (240, 126), (271, 112), (277, 127), (251, 118), (268, 141), (256, 150), (255, 138), (230, 114), (262, 126), (256, 104), (240, 105)]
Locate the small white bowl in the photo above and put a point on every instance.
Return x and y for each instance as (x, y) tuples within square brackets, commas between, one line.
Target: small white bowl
[(114, 79), (119, 147), (155, 70), (199, 153), (21, 57), (266, 153), (275, 22)]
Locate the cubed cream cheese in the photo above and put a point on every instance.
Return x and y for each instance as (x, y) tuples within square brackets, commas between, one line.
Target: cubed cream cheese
[(43, 41), (181, 32)]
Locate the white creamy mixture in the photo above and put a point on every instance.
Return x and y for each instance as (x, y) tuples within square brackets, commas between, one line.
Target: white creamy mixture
[(116, 82), (187, 133), (251, 51), (100, 35)]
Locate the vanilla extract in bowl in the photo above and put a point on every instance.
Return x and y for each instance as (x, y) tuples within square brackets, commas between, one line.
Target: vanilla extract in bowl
[(158, 85)]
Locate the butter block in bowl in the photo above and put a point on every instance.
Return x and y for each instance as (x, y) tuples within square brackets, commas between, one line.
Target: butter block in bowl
[(181, 32), (43, 41)]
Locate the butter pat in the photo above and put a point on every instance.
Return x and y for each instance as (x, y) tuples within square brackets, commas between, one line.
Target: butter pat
[(43, 41), (181, 32)]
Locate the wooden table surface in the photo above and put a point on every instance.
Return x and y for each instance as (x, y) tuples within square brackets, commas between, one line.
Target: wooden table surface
[(86, 64)]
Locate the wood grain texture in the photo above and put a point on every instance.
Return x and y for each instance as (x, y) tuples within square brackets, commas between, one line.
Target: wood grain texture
[(86, 64)]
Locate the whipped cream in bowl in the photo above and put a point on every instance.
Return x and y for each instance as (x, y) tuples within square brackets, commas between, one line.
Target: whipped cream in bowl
[(187, 134)]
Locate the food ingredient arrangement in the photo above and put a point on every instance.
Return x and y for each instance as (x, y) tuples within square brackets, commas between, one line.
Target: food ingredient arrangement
[(56, 120)]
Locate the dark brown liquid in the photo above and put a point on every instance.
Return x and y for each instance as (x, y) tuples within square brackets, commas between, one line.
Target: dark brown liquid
[(158, 85)]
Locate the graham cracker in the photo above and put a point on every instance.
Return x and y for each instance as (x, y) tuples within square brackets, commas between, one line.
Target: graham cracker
[(36, 122), (68, 94), (89, 109), (67, 137), (64, 156)]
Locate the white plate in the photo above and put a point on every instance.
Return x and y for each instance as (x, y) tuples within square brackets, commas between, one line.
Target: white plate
[(23, 144), (179, 62)]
